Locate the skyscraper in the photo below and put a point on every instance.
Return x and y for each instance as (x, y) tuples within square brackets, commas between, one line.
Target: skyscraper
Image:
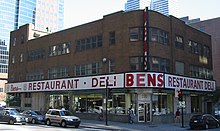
[(44, 14), (166, 7), (136, 4)]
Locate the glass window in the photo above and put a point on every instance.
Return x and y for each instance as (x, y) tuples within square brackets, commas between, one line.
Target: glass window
[(136, 63), (162, 103), (159, 64), (179, 42), (158, 35), (13, 60), (111, 37), (196, 104), (179, 68), (136, 34), (87, 69), (21, 58)]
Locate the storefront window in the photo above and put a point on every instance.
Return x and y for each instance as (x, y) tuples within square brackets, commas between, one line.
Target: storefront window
[(162, 103), (88, 103), (196, 104), (117, 104), (94, 104)]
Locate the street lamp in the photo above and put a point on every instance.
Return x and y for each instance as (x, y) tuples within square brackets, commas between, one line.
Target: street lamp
[(104, 60)]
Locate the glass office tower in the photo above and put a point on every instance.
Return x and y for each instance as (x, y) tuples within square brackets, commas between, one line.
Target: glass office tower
[(166, 7)]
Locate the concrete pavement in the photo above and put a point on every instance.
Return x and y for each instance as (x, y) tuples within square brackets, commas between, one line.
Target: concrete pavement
[(119, 126)]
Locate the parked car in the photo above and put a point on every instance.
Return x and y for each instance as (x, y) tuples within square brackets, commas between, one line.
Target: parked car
[(61, 117), (11, 117), (12, 108), (204, 121), (34, 116)]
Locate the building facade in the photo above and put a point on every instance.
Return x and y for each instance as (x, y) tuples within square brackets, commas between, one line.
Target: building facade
[(136, 62), (211, 27)]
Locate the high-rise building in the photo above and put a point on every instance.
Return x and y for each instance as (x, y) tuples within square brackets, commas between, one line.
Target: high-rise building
[(43, 14), (166, 7), (136, 4)]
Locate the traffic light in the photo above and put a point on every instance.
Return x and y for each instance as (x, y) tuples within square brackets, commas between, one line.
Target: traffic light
[(180, 95)]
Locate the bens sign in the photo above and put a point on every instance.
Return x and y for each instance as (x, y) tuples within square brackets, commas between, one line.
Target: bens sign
[(127, 80), (145, 79)]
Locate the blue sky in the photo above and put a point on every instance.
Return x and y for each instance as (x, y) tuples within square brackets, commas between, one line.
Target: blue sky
[(77, 12)]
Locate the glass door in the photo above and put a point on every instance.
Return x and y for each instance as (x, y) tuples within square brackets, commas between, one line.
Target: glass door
[(144, 112)]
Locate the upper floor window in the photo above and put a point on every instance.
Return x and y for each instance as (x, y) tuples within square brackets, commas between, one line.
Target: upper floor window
[(58, 72), (13, 60), (111, 66), (200, 72), (179, 68), (60, 49), (158, 35), (87, 69), (195, 47), (14, 41), (35, 75), (136, 34), (206, 51), (21, 57), (111, 37), (159, 64), (89, 43), (179, 42), (36, 54), (136, 63)]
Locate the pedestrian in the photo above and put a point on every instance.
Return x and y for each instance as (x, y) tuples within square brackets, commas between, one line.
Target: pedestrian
[(177, 116), (131, 115), (101, 115)]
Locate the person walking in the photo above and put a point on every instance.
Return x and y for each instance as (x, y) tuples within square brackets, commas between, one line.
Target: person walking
[(177, 116), (131, 115)]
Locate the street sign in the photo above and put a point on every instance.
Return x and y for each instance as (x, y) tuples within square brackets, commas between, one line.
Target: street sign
[(182, 104)]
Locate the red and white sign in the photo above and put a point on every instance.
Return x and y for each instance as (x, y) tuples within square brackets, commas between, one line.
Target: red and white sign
[(93, 82), (144, 79), (173, 81), (135, 79)]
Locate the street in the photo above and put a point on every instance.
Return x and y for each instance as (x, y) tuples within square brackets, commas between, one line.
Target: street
[(89, 125), (37, 127)]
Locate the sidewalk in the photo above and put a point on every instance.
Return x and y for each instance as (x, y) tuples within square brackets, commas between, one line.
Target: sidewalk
[(119, 126)]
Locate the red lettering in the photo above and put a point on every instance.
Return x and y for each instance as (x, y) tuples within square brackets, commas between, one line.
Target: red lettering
[(129, 79), (140, 79), (151, 80), (160, 80)]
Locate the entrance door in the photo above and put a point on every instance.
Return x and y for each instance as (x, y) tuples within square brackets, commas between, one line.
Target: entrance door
[(144, 112)]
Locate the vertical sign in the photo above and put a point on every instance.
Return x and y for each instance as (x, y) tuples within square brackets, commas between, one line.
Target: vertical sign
[(146, 39)]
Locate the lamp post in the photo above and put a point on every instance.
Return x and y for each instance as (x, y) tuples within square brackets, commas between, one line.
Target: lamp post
[(104, 60), (106, 103)]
